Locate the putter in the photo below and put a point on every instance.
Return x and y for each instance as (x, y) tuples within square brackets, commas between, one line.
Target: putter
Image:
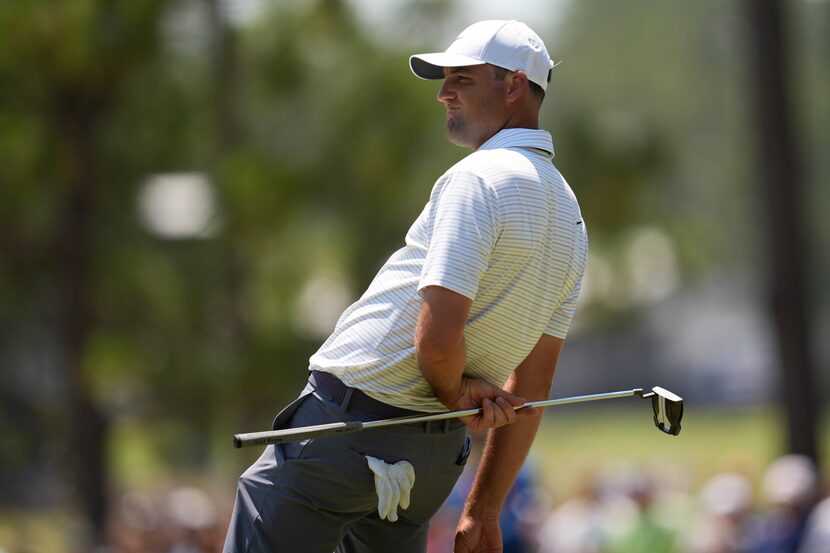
[(667, 407)]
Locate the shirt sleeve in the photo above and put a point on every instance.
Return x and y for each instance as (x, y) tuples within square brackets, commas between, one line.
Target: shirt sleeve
[(464, 228), (560, 322)]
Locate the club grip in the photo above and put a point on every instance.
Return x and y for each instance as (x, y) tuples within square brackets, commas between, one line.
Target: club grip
[(295, 434)]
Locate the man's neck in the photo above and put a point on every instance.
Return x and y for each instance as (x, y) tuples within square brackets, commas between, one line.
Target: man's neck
[(533, 125)]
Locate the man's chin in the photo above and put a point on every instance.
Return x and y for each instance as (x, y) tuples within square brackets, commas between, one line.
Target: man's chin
[(457, 138)]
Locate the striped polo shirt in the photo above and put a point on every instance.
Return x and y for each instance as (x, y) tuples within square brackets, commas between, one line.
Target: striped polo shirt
[(503, 228)]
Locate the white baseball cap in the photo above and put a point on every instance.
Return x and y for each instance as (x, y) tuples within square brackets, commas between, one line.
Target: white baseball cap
[(511, 45)]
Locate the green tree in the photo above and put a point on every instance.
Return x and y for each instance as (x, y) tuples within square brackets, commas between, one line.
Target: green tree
[(313, 139), (66, 67)]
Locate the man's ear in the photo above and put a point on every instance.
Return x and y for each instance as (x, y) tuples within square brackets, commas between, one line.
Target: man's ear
[(517, 85)]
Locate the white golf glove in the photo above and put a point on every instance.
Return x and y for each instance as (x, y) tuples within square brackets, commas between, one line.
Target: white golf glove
[(393, 483)]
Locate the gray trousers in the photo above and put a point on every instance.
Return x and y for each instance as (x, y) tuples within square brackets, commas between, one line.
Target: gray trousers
[(318, 496)]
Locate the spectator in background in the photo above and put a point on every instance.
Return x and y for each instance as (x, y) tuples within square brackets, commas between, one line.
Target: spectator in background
[(817, 532), (648, 532), (193, 518), (180, 520), (725, 516), (789, 487), (584, 524), (605, 517)]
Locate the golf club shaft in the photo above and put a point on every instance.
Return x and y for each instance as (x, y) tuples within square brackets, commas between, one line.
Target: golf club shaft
[(321, 430)]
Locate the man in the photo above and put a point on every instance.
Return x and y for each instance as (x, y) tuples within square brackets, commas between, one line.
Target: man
[(472, 312)]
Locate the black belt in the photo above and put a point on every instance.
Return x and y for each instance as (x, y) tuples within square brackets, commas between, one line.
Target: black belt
[(333, 389)]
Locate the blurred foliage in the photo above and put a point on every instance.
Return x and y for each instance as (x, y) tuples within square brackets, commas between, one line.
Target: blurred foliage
[(653, 111), (313, 138), (321, 148)]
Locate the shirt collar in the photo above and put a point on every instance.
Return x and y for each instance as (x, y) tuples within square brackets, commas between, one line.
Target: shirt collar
[(520, 138)]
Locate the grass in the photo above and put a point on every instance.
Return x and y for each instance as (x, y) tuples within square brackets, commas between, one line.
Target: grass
[(33, 531), (574, 441), (572, 446)]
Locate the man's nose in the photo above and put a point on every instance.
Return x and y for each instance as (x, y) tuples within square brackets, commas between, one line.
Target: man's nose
[(446, 92)]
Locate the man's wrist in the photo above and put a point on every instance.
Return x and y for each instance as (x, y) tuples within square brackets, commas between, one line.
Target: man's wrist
[(450, 398), (479, 511)]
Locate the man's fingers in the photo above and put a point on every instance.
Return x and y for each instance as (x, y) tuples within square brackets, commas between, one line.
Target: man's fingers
[(525, 411), (506, 410), (498, 406), (488, 415), (495, 413), (499, 416), (515, 401), (490, 410)]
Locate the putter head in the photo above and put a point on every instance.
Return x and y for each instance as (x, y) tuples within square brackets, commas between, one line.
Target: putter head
[(668, 410)]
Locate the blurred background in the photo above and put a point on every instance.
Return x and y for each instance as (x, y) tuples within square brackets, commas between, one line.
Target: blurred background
[(192, 190)]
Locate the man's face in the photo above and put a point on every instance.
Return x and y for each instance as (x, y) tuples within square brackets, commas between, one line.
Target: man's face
[(475, 103)]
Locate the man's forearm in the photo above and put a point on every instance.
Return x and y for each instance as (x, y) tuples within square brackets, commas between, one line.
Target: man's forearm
[(439, 342), (445, 373), (503, 456), (507, 447)]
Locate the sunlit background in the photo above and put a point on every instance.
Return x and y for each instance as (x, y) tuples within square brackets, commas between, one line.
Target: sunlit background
[(191, 191)]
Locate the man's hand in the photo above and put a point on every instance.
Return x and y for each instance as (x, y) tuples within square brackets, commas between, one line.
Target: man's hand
[(478, 536), (497, 405)]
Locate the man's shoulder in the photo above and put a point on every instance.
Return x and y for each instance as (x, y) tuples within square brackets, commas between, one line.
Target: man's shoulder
[(484, 162), (493, 167)]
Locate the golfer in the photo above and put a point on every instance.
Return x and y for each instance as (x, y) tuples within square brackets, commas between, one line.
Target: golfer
[(471, 312)]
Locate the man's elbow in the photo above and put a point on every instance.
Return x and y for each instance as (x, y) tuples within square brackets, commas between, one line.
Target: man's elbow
[(439, 334), (437, 349)]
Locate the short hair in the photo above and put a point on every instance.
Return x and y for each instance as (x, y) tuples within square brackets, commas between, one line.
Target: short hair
[(535, 89)]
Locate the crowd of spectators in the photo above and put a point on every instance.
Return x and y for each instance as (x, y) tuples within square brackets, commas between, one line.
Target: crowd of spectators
[(625, 509), (620, 509)]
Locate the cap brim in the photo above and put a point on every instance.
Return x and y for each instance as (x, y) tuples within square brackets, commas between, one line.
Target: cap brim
[(431, 66)]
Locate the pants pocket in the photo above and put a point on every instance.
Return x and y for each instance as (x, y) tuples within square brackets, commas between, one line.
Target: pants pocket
[(283, 417)]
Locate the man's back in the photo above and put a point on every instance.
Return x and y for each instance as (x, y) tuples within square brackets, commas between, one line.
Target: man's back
[(502, 228)]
